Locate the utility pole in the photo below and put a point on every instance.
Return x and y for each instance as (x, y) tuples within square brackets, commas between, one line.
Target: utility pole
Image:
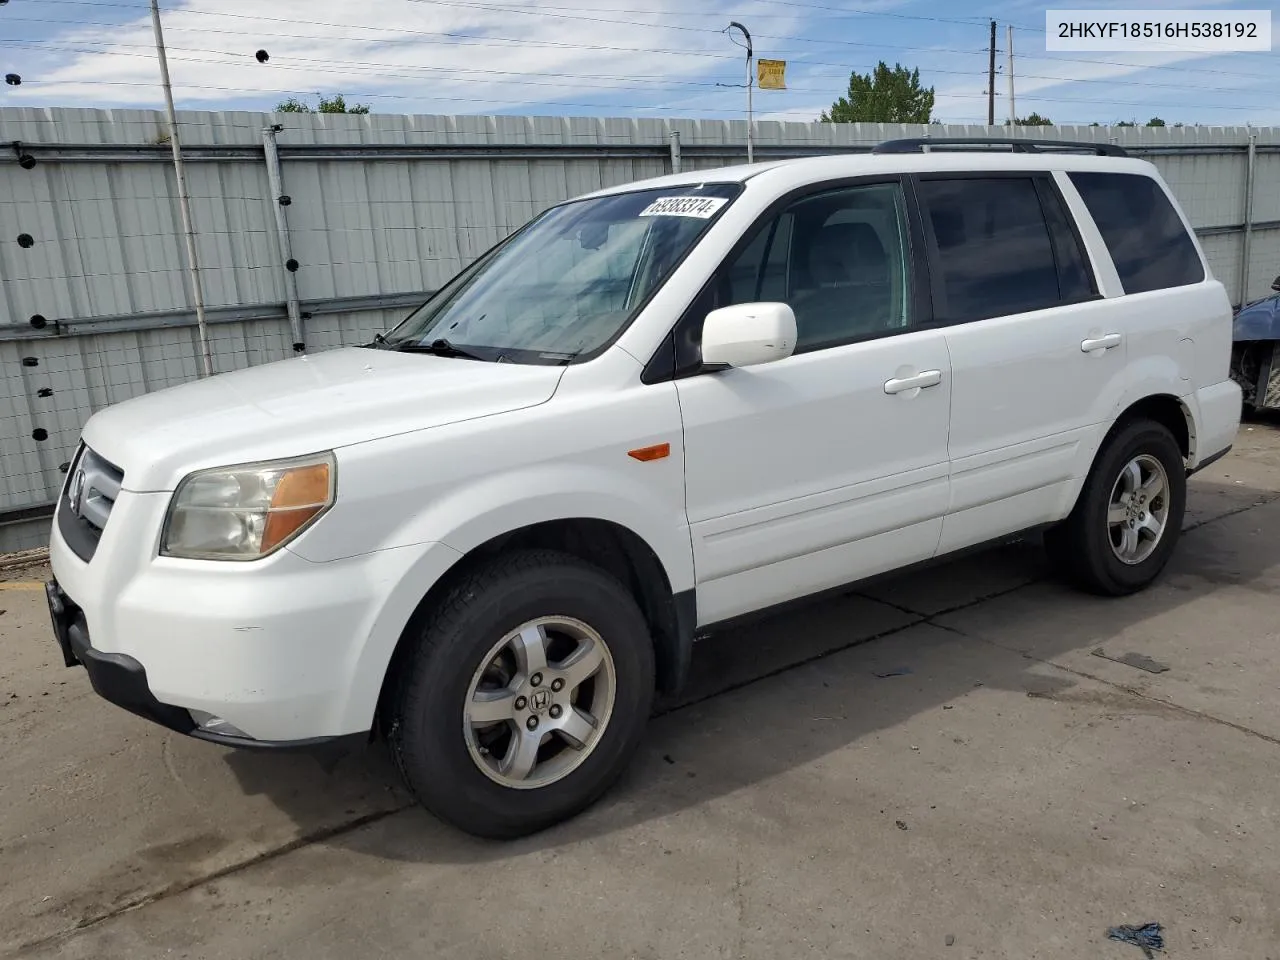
[(991, 80), (1013, 115), (184, 199), (750, 84)]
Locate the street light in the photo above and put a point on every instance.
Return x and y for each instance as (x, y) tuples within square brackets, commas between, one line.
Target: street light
[(750, 83)]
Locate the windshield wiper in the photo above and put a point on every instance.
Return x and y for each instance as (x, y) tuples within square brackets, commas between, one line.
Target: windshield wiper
[(439, 348)]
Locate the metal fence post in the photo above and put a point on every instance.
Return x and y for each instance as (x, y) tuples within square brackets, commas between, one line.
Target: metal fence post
[(1247, 241), (184, 196), (675, 151), (279, 201)]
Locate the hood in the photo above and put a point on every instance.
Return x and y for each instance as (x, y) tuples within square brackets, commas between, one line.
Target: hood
[(294, 407), (1259, 320)]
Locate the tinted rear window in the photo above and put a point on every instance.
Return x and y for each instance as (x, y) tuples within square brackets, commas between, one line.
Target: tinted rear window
[(994, 249), (1075, 277), (1151, 248)]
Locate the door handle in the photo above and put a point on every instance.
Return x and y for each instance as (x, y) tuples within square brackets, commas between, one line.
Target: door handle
[(928, 378), (1101, 343)]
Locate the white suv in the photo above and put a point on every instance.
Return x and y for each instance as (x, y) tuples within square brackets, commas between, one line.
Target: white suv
[(492, 534)]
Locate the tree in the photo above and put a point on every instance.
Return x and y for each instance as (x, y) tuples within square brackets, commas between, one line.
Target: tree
[(1155, 122), (883, 96), (1032, 120), (1126, 123), (336, 104), (293, 105)]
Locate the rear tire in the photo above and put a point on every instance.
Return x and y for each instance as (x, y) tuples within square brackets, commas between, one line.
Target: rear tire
[(1127, 521), (526, 696)]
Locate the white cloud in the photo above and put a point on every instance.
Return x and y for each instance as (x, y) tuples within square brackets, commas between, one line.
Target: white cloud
[(402, 63), (1110, 87), (404, 57)]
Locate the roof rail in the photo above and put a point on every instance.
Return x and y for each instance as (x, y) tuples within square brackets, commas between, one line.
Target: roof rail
[(1016, 145)]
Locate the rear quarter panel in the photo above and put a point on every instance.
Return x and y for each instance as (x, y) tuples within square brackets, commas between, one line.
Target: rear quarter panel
[(1178, 340)]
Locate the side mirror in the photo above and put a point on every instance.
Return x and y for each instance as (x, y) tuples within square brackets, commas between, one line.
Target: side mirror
[(747, 334), (1276, 285)]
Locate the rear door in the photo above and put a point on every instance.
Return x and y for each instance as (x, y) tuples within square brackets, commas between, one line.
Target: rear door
[(1037, 356), (1178, 315)]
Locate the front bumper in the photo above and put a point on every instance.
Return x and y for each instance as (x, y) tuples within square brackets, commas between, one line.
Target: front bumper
[(117, 678), (122, 680), (280, 649)]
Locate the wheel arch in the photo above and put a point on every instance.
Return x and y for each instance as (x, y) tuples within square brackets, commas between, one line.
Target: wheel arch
[(1165, 409), (1076, 544), (605, 544)]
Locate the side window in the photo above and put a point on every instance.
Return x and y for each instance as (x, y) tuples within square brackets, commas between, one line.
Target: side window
[(1149, 244), (839, 259), (995, 254), (774, 280), (1075, 276)]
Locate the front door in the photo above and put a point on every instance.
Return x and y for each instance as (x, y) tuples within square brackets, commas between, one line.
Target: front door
[(829, 465)]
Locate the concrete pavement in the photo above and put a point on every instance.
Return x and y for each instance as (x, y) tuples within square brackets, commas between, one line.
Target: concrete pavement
[(934, 765)]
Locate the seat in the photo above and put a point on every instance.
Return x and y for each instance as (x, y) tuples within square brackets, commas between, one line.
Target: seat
[(844, 290)]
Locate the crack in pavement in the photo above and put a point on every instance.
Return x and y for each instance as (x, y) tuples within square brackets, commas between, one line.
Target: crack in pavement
[(1115, 685), (1232, 513), (930, 619), (327, 833), (316, 836), (861, 641)]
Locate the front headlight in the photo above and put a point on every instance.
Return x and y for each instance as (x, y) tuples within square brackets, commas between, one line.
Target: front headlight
[(247, 511)]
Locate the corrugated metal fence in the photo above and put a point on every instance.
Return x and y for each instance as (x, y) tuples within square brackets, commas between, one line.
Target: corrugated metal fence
[(95, 305)]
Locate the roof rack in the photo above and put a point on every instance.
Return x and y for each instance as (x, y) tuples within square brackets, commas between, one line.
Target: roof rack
[(1015, 144)]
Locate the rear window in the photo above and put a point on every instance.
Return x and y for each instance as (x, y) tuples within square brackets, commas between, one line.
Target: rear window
[(1151, 248), (994, 249)]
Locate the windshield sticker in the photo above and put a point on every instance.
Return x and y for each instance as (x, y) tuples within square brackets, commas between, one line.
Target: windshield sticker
[(704, 208)]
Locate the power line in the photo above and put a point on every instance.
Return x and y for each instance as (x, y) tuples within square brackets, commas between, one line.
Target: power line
[(574, 13), (427, 36), (376, 95), (832, 13), (489, 40), (1031, 29), (541, 12), (345, 66), (853, 12), (53, 45), (531, 41), (975, 21), (523, 78), (371, 95)]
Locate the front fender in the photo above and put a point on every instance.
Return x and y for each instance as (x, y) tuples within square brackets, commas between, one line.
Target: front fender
[(474, 514), (445, 530), (409, 572)]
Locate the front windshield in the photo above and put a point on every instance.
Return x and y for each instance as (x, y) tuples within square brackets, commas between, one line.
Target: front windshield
[(567, 283)]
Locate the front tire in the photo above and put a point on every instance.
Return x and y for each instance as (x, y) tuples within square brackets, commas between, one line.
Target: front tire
[(1127, 521), (526, 696)]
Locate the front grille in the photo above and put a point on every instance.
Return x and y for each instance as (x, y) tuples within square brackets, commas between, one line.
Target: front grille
[(92, 486)]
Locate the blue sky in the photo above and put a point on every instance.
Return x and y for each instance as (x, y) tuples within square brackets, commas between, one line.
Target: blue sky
[(652, 58)]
